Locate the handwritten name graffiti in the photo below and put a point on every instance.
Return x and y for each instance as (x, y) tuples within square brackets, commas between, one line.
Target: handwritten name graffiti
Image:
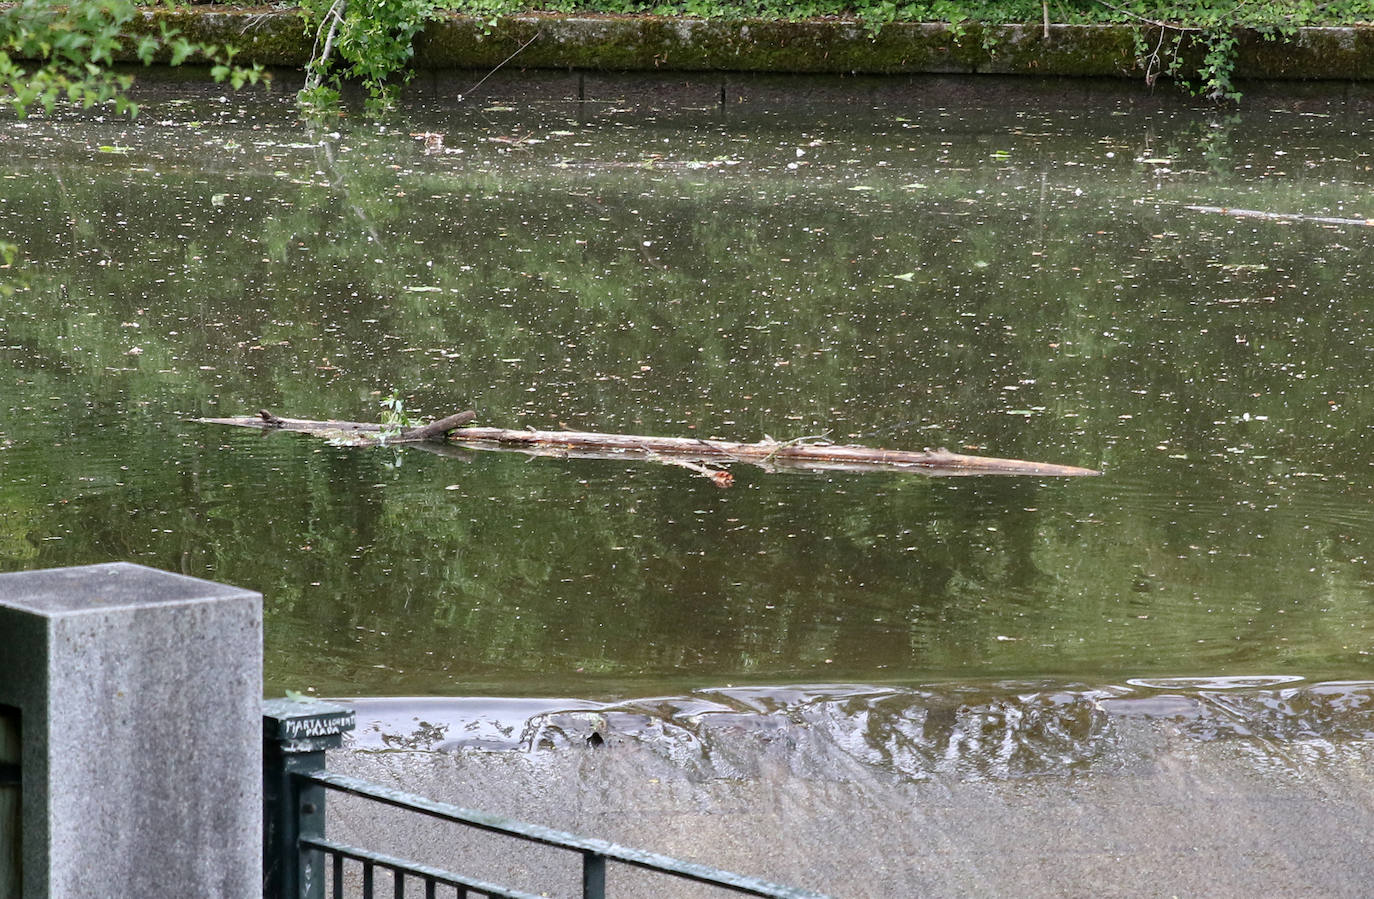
[(323, 726)]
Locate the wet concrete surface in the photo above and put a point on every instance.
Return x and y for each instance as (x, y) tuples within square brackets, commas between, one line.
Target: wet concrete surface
[(894, 793)]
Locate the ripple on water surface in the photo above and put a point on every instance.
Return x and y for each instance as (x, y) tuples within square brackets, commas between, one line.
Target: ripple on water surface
[(906, 268)]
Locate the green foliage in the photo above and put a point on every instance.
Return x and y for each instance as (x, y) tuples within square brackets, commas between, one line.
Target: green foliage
[(1192, 42), (394, 417), (8, 254), (373, 42), (66, 53), (1281, 14), (53, 53), (74, 48)]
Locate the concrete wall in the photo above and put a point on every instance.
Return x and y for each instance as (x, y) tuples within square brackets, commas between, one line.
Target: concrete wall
[(649, 43)]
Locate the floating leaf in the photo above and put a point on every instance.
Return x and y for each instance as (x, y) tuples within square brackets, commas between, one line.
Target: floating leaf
[(905, 276)]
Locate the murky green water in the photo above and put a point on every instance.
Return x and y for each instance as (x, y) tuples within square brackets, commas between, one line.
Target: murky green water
[(1016, 280)]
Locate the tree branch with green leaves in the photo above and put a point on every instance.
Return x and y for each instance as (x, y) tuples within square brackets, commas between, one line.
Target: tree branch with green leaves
[(371, 41), (53, 54)]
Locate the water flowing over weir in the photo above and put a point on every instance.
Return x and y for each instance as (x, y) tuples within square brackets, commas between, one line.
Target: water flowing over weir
[(1002, 789), (969, 732)]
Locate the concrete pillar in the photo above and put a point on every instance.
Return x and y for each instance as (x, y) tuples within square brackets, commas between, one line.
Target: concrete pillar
[(138, 697)]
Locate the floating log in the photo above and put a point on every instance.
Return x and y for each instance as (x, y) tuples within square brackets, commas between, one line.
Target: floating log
[(768, 453), (350, 433), (1281, 216), (693, 453)]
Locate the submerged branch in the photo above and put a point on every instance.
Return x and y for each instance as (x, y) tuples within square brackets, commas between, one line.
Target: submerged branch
[(1282, 216), (717, 476)]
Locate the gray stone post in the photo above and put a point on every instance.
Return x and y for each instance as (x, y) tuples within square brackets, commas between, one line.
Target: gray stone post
[(137, 696)]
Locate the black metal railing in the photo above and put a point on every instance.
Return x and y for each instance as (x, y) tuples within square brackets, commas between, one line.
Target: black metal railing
[(427, 875), (11, 805), (595, 853), (296, 848)]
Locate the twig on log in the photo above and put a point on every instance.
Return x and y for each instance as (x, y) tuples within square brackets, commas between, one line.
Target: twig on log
[(795, 441)]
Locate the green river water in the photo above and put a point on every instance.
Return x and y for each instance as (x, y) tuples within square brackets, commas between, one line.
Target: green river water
[(912, 270)]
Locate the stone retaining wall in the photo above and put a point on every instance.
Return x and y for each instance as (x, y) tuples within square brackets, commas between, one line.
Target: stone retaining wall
[(647, 43)]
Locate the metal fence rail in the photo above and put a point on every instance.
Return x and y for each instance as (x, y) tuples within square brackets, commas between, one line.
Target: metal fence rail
[(595, 853), (296, 736), (429, 876)]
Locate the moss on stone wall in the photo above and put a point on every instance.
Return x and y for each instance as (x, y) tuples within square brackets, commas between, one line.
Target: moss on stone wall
[(264, 35), (647, 43)]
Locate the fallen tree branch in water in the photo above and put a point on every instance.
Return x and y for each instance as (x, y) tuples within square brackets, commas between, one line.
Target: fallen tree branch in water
[(693, 453), (438, 428), (1281, 216)]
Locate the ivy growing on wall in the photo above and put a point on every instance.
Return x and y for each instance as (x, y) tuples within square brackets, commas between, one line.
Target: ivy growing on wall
[(52, 53), (1192, 42)]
